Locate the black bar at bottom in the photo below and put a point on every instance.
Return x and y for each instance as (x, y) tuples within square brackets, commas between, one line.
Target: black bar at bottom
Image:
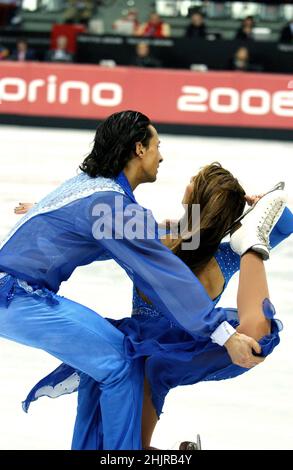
[(98, 459)]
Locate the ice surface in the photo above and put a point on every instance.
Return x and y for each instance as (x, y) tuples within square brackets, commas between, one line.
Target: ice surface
[(254, 411)]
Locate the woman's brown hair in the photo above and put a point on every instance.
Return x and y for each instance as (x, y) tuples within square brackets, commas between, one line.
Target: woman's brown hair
[(221, 199)]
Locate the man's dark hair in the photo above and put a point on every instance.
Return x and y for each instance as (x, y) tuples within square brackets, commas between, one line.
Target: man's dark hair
[(114, 143)]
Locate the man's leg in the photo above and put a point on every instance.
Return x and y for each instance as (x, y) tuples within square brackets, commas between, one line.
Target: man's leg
[(127, 415), (88, 429), (86, 341), (96, 414)]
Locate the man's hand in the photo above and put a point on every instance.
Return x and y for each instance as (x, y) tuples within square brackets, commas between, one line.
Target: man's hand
[(23, 207), (239, 348)]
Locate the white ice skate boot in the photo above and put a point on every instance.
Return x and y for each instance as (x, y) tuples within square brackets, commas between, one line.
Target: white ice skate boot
[(258, 223), (189, 445)]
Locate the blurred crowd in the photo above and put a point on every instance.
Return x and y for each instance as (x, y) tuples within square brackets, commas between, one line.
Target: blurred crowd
[(22, 52), (81, 12)]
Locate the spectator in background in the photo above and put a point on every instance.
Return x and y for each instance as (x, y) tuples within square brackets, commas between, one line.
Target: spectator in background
[(287, 33), (127, 25), (154, 28), (4, 52), (241, 61), (245, 31), (197, 27), (60, 54), (143, 57), (22, 51)]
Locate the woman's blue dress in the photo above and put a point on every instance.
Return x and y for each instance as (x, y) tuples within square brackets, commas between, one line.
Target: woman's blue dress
[(172, 357)]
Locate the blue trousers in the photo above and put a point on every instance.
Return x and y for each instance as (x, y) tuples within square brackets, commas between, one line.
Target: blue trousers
[(86, 341)]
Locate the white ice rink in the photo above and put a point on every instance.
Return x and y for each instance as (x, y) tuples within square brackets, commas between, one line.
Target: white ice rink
[(254, 411)]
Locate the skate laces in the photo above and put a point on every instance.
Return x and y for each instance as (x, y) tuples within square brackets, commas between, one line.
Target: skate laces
[(267, 220)]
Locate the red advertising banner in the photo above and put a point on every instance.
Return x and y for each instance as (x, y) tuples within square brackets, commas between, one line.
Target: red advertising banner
[(167, 96)]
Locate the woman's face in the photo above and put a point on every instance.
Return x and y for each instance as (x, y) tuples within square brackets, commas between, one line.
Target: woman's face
[(188, 191)]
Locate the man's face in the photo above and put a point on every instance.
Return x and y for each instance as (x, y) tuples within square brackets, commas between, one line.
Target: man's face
[(197, 19), (61, 42), (142, 49), (22, 46), (151, 158), (242, 54)]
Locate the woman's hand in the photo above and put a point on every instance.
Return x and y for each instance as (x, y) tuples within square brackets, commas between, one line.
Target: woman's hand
[(251, 200), (23, 208)]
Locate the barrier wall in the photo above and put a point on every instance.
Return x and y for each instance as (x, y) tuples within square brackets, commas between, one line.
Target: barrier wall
[(180, 53), (171, 97)]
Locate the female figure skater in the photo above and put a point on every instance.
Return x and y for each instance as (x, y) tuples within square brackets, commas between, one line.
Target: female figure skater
[(177, 359)]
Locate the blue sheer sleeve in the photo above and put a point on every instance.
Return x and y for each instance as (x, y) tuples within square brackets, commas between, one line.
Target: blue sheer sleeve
[(154, 269)]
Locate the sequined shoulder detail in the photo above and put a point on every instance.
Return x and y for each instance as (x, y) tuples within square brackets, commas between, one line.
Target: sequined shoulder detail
[(141, 307), (78, 187), (228, 261), (9, 284)]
